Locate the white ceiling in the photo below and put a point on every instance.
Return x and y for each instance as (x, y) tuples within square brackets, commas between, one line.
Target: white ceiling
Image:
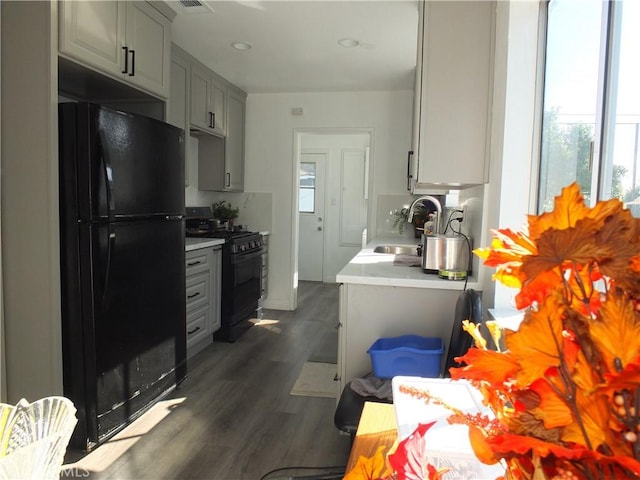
[(295, 43)]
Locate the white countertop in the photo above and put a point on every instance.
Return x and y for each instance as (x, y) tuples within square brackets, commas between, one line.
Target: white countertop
[(368, 268), (196, 243)]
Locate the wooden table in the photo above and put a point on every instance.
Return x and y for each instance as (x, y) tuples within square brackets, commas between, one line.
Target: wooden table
[(377, 427)]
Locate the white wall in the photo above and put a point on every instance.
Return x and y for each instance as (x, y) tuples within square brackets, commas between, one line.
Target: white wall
[(513, 130), (30, 238), (3, 383), (269, 158)]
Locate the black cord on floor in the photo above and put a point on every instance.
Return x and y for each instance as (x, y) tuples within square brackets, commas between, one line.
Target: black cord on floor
[(281, 469)]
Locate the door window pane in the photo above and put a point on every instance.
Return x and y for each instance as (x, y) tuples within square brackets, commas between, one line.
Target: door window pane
[(620, 176), (570, 105), (307, 187)]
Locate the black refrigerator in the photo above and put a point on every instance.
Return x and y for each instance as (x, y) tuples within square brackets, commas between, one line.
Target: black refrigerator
[(122, 265)]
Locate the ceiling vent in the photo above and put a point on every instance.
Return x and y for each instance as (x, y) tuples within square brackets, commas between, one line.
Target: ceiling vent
[(193, 6)]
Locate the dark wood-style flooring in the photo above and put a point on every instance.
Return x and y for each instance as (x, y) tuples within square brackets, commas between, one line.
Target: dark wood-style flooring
[(234, 418)]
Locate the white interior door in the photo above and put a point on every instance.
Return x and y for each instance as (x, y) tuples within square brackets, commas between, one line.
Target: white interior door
[(330, 232), (311, 180)]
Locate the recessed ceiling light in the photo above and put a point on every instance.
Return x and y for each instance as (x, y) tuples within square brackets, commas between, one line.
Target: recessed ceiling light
[(348, 42), (241, 45)]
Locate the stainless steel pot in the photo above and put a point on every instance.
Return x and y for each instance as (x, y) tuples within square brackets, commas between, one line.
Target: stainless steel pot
[(440, 252), (432, 246)]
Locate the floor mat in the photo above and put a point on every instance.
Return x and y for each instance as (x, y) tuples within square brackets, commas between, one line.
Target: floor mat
[(317, 380)]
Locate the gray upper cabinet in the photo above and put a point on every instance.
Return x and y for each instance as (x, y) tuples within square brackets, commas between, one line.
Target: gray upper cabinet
[(215, 113), (208, 102), (454, 82), (178, 105), (234, 154), (128, 41), (221, 159), (216, 118)]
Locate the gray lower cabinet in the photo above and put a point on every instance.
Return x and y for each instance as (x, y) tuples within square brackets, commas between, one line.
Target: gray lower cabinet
[(203, 273)]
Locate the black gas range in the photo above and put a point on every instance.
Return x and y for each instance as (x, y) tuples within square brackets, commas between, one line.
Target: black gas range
[(241, 271)]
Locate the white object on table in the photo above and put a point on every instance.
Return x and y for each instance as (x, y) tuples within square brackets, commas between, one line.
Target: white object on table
[(446, 445)]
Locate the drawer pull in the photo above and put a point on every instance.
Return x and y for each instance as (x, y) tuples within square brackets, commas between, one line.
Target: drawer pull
[(194, 295), (193, 331), (191, 264)]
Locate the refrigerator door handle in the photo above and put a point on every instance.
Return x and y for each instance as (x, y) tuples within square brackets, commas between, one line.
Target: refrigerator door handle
[(110, 248), (108, 178)]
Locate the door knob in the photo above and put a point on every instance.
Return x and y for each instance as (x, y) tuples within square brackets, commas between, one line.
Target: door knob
[(319, 229), (319, 219)]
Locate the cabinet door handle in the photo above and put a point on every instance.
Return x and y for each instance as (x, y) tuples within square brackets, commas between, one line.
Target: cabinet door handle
[(193, 331), (194, 295), (213, 120), (191, 264), (126, 60), (228, 179), (133, 63)]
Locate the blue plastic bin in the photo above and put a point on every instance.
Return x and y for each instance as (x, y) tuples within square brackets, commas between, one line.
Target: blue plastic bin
[(409, 355)]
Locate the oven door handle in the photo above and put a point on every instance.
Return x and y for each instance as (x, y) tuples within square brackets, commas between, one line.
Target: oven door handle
[(243, 257)]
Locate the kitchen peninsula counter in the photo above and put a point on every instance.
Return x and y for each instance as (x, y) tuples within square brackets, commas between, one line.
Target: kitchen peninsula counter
[(379, 300), (369, 268)]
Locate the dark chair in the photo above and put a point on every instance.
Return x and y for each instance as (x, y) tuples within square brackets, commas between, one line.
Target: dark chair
[(349, 409), (468, 307), (350, 406)]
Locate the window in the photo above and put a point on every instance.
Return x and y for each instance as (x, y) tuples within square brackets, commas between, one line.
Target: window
[(307, 190), (591, 101)]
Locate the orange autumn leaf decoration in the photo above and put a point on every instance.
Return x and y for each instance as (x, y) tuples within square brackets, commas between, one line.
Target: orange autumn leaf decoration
[(566, 388), (372, 468)]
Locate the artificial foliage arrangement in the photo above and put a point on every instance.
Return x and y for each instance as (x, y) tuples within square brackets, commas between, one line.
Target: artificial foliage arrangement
[(420, 216), (223, 210), (565, 386)]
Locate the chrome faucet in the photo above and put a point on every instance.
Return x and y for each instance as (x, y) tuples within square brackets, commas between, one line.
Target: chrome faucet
[(436, 202)]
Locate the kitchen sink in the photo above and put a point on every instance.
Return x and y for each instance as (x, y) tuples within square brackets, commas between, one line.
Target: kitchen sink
[(397, 249)]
